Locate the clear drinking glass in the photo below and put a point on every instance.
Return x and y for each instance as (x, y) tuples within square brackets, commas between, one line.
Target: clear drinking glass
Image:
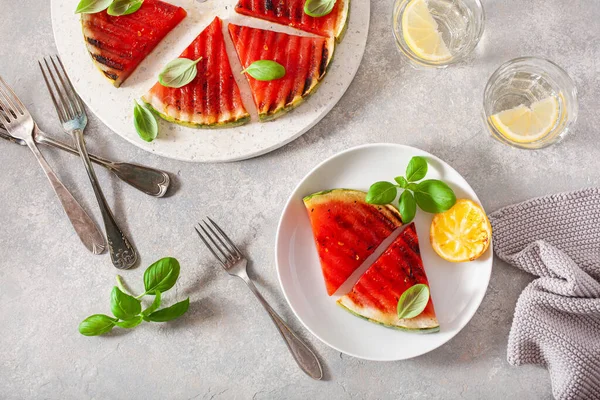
[(530, 103), (418, 23)]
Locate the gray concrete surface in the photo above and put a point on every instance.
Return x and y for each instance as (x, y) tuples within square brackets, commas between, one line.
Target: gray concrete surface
[(225, 347)]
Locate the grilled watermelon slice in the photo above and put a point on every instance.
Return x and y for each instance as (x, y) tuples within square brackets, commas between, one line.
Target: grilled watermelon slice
[(212, 99), (291, 13), (305, 60), (375, 295), (347, 230), (119, 44)]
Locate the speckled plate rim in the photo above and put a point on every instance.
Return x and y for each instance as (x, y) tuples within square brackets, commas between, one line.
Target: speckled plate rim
[(217, 145), (486, 261)]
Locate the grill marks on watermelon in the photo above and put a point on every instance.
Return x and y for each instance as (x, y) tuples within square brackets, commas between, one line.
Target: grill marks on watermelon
[(375, 296), (291, 13), (119, 44), (347, 230), (305, 60), (213, 98)]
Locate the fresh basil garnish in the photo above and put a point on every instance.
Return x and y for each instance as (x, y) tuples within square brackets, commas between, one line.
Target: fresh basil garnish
[(124, 7), (407, 207), (169, 313), (318, 8), (92, 6), (381, 193), (265, 70), (413, 301), (145, 123), (401, 181), (434, 196), (416, 169), (96, 324), (160, 276), (179, 72)]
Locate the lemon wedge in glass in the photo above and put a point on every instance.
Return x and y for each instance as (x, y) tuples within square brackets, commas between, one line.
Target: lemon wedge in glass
[(421, 34), (524, 124), (463, 233)]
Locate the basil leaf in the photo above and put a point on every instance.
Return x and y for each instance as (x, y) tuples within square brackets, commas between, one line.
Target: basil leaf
[(434, 196), (170, 313), (155, 304), (381, 193), (179, 72), (92, 6), (145, 123), (412, 186), (96, 324), (124, 7), (401, 181), (318, 8), (161, 275), (265, 70), (413, 301), (124, 306), (416, 169), (130, 323), (407, 207)]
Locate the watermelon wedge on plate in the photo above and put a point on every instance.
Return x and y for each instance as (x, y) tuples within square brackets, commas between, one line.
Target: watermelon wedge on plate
[(212, 99), (375, 295), (291, 13), (305, 60), (347, 230), (119, 44)]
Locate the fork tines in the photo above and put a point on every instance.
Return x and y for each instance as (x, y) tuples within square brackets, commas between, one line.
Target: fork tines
[(229, 253), (66, 101), (10, 106)]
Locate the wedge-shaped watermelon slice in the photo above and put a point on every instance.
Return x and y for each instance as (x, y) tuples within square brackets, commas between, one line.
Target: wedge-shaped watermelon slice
[(375, 295), (291, 13), (305, 60), (212, 99), (119, 44), (347, 230)]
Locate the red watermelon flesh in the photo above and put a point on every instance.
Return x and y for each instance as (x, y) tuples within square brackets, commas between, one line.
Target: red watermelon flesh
[(119, 44), (375, 296), (347, 230), (305, 60), (291, 13), (213, 98)]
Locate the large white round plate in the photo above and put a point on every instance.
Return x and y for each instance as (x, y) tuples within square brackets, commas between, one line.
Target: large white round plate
[(115, 106), (456, 289)]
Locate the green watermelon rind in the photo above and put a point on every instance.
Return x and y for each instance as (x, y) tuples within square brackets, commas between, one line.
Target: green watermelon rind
[(310, 196), (340, 36), (433, 329), (218, 125)]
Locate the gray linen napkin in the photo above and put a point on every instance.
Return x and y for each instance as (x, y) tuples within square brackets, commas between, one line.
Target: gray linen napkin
[(557, 319)]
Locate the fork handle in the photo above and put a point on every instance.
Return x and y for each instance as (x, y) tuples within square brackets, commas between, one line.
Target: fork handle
[(122, 253), (306, 359), (84, 226)]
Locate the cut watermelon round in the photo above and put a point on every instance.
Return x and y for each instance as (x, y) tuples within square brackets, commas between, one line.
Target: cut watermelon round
[(212, 99), (305, 60), (375, 296), (291, 13), (119, 44), (347, 230)]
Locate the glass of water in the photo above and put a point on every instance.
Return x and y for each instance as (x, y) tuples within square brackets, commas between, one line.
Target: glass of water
[(437, 33), (530, 103)]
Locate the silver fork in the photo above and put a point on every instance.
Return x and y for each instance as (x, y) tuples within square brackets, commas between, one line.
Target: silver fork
[(234, 262), (74, 119), (18, 122), (151, 181)]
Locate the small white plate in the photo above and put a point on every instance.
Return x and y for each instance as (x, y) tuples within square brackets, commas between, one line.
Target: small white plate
[(115, 106), (456, 289)]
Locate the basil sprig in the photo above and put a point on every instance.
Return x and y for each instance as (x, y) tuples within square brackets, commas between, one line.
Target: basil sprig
[(431, 195), (318, 8), (145, 122), (127, 309), (179, 72), (413, 301), (265, 70), (92, 6), (124, 7)]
